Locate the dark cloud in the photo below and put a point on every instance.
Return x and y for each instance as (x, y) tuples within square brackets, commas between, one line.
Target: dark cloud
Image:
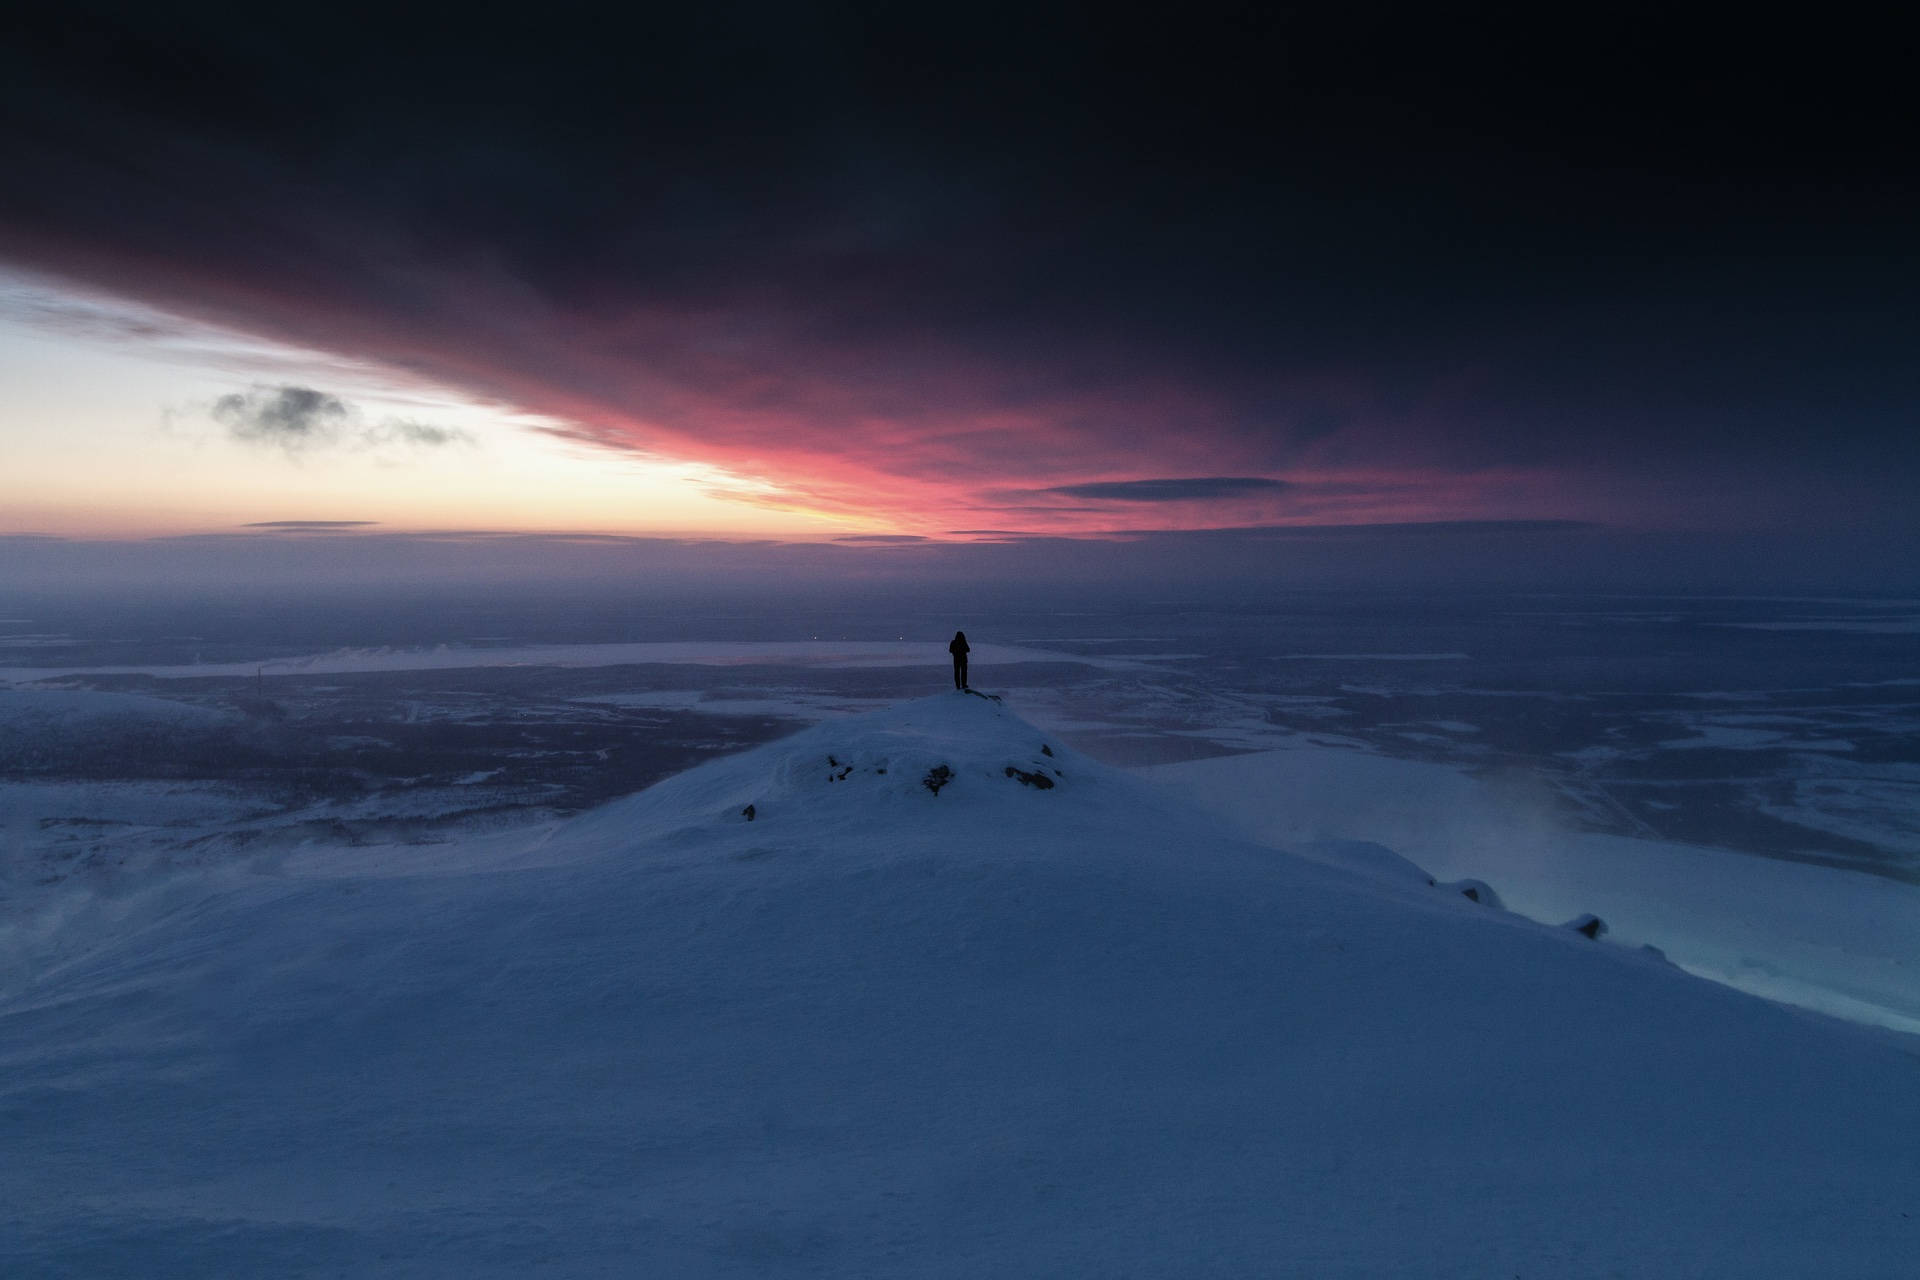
[(311, 526), (300, 418), (1435, 531), (1391, 529), (863, 248), (1197, 489), (882, 539), (292, 417)]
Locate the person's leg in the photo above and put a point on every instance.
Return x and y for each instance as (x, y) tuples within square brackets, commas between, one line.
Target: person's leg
[(963, 671), (959, 672)]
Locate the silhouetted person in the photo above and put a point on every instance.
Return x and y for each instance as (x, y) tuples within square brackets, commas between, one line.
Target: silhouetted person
[(958, 648)]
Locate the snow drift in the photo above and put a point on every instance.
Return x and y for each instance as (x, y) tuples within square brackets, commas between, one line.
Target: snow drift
[(878, 1026)]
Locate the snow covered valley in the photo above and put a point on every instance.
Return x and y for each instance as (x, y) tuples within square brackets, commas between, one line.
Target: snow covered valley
[(916, 991)]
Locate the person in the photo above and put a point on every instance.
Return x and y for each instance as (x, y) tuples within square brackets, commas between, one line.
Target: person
[(958, 648)]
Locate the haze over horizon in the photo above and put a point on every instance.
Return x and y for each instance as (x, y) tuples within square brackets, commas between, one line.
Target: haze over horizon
[(1293, 296)]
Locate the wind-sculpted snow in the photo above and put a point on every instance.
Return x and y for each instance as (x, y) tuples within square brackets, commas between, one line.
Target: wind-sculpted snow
[(875, 1030)]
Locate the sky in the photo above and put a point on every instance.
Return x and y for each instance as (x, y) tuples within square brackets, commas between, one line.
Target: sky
[(1469, 283)]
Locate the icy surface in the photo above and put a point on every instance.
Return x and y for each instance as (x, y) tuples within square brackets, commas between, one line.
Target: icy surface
[(884, 1028)]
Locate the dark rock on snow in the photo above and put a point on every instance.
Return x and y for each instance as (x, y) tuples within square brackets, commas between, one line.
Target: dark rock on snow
[(1590, 925)]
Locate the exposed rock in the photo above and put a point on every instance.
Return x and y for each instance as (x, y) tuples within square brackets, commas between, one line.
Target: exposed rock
[(1036, 779), (1045, 750), (1589, 925), (937, 777), (747, 813), (1476, 891)]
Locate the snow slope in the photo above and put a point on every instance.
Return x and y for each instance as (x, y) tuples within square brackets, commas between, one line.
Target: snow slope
[(1825, 938), (1001, 1029)]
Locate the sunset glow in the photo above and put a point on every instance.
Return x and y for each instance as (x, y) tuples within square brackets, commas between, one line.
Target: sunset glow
[(559, 309)]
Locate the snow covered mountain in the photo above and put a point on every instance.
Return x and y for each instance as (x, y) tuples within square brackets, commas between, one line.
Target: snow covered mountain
[(919, 993)]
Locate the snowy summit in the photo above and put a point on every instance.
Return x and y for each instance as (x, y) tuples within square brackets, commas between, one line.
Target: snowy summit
[(919, 993)]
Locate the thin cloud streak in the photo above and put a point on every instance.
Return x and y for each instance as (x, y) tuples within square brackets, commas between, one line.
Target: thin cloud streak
[(1198, 489)]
